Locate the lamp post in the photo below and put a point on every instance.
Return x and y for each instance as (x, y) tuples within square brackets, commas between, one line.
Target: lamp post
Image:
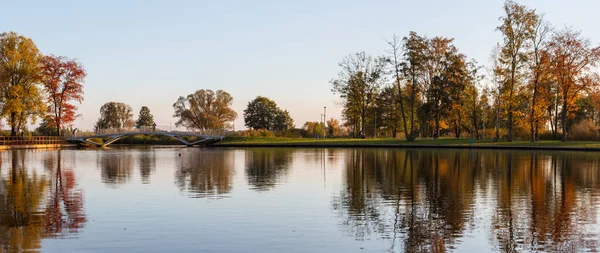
[(325, 120)]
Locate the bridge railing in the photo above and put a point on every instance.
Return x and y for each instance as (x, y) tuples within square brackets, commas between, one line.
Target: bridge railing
[(31, 140)]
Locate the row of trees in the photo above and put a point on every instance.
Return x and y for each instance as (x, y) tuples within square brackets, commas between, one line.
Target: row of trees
[(209, 110), (119, 115), (426, 86), (33, 85)]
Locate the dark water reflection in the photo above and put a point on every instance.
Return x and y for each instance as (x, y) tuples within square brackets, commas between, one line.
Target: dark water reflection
[(205, 174), (265, 167), (298, 200), (423, 200)]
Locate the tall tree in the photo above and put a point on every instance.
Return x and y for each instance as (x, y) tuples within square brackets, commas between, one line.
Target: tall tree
[(517, 27), (263, 113), (413, 63), (205, 110), (145, 118), (573, 57), (19, 78), (115, 115), (396, 60), (358, 83), (63, 82), (446, 79), (539, 69)]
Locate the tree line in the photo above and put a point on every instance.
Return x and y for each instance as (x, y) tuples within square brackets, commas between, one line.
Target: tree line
[(542, 80)]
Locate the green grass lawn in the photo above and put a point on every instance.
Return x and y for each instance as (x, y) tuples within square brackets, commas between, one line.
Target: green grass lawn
[(260, 141)]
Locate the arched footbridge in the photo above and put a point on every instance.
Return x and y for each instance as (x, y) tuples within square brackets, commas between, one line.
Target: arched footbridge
[(110, 136)]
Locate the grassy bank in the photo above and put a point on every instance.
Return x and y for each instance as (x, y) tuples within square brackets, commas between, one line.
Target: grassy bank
[(388, 142)]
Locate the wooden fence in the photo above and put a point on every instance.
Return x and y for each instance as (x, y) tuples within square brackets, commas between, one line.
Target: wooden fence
[(31, 140)]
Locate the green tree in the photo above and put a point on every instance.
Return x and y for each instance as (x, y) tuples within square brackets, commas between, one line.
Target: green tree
[(205, 110), (145, 118), (388, 110), (115, 115), (19, 78), (517, 27), (396, 60), (263, 113), (46, 127), (413, 68), (358, 83), (283, 120)]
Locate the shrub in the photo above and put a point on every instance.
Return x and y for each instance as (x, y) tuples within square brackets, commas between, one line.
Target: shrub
[(546, 135), (585, 130), (254, 133)]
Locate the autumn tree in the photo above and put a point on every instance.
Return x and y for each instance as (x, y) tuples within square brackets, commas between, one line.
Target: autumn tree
[(447, 77), (573, 57), (63, 82), (263, 113), (115, 115), (358, 83), (539, 83), (334, 128), (517, 27), (145, 118), (20, 95), (314, 128), (205, 110)]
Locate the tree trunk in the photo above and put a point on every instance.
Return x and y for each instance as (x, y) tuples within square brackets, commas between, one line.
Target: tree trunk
[(412, 105), (497, 138), (556, 114), (437, 121), (13, 124), (401, 105), (564, 121), (532, 115)]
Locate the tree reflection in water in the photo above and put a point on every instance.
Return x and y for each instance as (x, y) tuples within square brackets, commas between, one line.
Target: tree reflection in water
[(428, 200), (266, 166), (116, 166), (147, 164), (64, 212), (34, 206), (206, 173)]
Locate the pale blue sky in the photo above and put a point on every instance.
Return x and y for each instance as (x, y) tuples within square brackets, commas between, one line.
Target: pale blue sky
[(152, 52)]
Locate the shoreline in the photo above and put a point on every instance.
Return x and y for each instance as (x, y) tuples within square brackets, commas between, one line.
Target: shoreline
[(37, 146), (424, 146), (328, 145)]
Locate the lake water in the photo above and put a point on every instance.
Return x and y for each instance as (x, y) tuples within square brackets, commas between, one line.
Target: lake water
[(298, 200)]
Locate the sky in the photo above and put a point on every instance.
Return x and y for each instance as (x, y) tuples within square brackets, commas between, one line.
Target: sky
[(149, 53)]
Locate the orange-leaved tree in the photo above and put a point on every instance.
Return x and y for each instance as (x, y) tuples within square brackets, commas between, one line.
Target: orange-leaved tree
[(63, 80), (572, 61)]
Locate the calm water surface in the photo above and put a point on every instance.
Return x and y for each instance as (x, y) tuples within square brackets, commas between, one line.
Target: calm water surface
[(298, 200)]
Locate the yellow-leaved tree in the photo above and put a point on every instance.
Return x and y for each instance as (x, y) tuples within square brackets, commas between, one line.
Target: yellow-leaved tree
[(20, 93)]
